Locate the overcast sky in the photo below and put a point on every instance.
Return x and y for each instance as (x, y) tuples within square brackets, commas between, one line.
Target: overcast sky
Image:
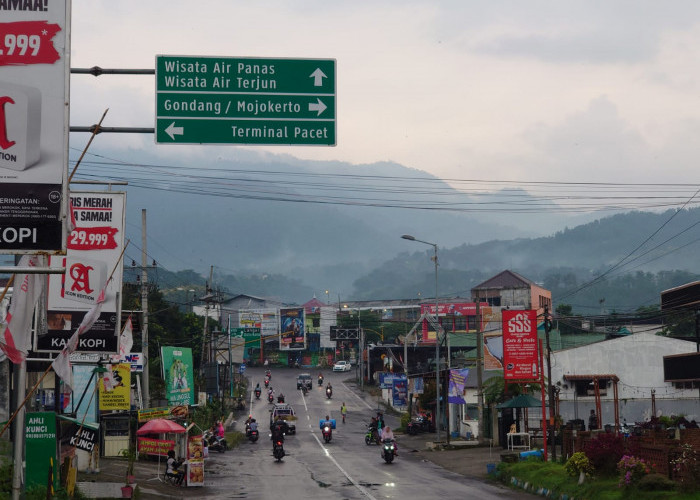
[(503, 90)]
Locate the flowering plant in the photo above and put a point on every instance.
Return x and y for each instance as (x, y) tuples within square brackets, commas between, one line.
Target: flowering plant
[(577, 464), (632, 470), (687, 466)]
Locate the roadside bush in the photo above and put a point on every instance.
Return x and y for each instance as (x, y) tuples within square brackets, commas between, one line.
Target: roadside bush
[(687, 467), (578, 463), (605, 452), (655, 482), (405, 419), (632, 470)]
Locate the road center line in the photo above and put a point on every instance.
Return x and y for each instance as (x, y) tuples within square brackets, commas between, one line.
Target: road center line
[(358, 397), (357, 485)]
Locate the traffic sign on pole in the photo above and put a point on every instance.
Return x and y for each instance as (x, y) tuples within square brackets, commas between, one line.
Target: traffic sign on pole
[(237, 100)]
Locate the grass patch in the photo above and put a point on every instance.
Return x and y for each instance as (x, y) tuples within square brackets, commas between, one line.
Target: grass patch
[(234, 439), (554, 477)]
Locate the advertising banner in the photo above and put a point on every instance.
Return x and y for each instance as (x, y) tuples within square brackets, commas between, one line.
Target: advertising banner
[(386, 380), (150, 446), (195, 459), (115, 389), (399, 391), (94, 250), (84, 387), (416, 385), (40, 448), (84, 437), (34, 109), (265, 319), (134, 359), (178, 375), (150, 413), (520, 345), (455, 388), (292, 329)]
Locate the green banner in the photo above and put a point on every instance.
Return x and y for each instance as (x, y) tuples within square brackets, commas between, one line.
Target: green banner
[(178, 375), (40, 448)]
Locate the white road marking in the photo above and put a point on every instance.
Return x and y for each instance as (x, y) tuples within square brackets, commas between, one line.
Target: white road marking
[(358, 397), (357, 485)]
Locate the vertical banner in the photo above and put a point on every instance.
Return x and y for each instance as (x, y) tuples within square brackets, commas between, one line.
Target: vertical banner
[(292, 329), (40, 448), (195, 459), (399, 390), (94, 250), (34, 125), (84, 387), (455, 388), (178, 375), (519, 345), (115, 389), (416, 385)]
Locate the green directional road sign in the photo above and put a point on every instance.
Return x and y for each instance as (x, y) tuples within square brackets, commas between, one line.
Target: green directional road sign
[(239, 100)]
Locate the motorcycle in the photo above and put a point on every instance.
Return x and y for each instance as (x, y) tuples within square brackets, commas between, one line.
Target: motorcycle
[(278, 450), (304, 390), (267, 383), (329, 392), (257, 393), (280, 398), (388, 450), (270, 398), (268, 374), (215, 443), (327, 433), (372, 436), (418, 424), (320, 380), (253, 435)]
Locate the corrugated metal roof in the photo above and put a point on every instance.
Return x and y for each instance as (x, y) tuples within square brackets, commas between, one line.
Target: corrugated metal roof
[(505, 279)]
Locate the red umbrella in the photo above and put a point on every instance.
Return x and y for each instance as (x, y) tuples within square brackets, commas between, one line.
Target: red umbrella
[(160, 426)]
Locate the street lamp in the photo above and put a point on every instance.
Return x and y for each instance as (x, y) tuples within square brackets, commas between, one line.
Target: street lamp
[(437, 334)]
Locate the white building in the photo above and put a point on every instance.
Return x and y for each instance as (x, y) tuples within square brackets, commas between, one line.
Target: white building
[(637, 362)]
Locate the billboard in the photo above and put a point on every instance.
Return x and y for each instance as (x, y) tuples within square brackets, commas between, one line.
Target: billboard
[(292, 329), (94, 250), (520, 345), (115, 390), (455, 386), (265, 319), (178, 375), (34, 125)]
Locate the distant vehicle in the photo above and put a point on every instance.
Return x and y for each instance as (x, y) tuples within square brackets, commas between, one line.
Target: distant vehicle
[(286, 413), (304, 379), (341, 366)]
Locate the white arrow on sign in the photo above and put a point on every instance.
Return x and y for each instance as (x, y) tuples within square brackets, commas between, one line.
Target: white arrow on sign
[(172, 130), (317, 106), (318, 77)]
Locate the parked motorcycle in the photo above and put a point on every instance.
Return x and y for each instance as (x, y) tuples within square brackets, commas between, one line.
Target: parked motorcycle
[(215, 443), (329, 392), (327, 433), (371, 436), (419, 424), (388, 450)]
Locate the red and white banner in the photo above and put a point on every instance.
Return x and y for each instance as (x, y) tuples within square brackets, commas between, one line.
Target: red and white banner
[(94, 250), (34, 124), (16, 338), (520, 360)]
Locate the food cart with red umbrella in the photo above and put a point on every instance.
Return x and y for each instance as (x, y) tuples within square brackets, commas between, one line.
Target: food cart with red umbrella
[(160, 447)]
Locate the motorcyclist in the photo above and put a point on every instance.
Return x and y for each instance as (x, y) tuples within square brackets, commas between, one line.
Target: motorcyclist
[(329, 388), (373, 427), (327, 422), (280, 398), (279, 427), (320, 378), (253, 426), (380, 421), (388, 435)]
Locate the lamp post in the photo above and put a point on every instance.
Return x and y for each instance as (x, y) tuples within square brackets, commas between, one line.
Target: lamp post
[(437, 333)]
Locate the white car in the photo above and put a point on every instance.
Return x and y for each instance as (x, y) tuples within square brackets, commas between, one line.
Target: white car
[(341, 366)]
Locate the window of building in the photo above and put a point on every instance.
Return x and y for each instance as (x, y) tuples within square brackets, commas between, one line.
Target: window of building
[(586, 388)]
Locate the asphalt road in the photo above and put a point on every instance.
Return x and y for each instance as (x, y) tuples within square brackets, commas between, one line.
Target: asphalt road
[(345, 468)]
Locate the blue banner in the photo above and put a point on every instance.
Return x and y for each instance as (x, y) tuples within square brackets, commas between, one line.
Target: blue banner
[(455, 389), (399, 391)]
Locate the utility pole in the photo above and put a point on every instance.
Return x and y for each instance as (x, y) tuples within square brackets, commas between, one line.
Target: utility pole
[(207, 297), (144, 312), (479, 370), (550, 390)]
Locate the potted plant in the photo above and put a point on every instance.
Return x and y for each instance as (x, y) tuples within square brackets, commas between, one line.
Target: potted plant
[(130, 455)]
